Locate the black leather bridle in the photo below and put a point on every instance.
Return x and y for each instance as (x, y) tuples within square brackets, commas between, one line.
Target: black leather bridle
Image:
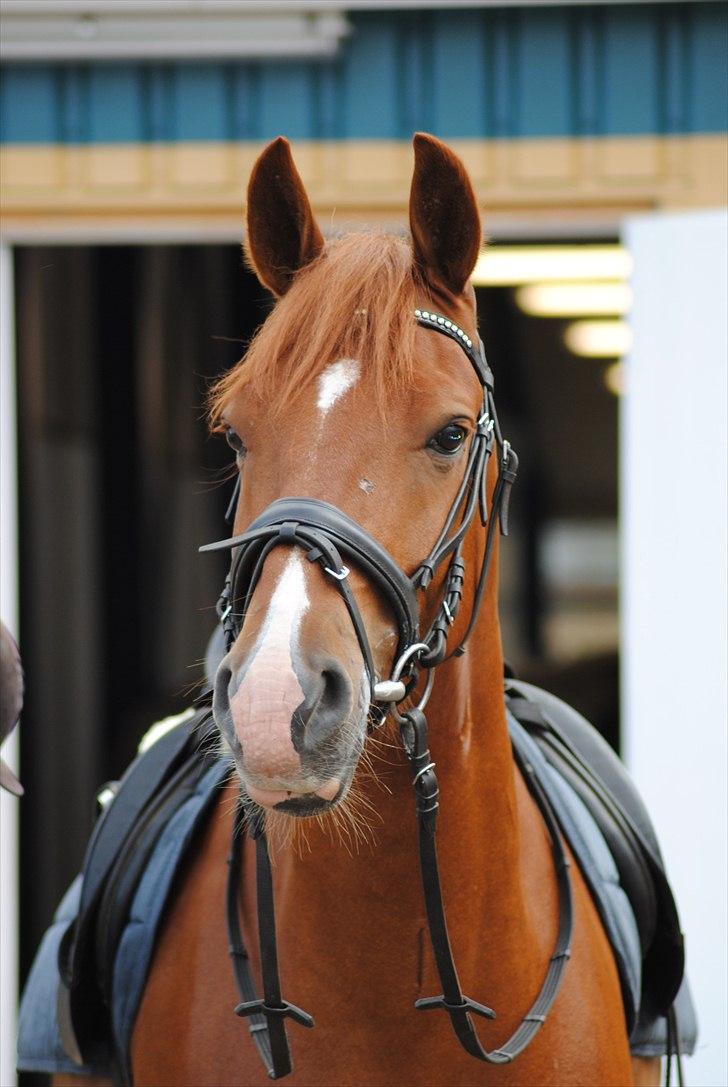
[(332, 539)]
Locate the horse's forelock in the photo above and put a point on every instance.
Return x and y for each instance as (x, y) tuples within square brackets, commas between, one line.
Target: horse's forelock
[(356, 301)]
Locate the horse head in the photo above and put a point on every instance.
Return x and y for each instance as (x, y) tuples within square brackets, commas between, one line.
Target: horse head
[(344, 398)]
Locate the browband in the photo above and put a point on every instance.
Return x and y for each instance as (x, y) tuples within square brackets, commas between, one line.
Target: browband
[(448, 328)]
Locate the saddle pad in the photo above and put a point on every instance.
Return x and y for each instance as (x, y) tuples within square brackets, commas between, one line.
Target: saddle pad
[(39, 1040)]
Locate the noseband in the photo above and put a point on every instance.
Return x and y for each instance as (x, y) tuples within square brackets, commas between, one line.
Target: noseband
[(332, 539)]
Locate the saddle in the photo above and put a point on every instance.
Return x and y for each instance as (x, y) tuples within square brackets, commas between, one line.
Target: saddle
[(97, 955)]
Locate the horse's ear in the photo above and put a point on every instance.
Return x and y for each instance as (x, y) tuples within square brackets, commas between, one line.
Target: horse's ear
[(444, 217), (282, 232)]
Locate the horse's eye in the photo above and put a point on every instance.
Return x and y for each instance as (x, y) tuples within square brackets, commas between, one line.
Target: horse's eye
[(448, 440), (234, 440)]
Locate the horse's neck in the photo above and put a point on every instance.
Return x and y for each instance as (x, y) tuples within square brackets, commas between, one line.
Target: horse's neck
[(478, 824)]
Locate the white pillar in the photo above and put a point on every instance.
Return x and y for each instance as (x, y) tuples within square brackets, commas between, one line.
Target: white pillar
[(9, 615), (674, 547)]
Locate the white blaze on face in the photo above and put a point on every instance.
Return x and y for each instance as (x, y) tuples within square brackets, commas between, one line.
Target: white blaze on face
[(336, 379), (264, 702)]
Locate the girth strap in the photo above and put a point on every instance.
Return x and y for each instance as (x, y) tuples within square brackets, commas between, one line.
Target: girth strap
[(458, 1006)]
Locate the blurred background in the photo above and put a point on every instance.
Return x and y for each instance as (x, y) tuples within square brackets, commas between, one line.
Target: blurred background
[(596, 139)]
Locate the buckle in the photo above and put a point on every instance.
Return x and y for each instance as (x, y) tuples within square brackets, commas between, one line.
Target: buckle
[(338, 574), (284, 1010), (467, 1005)]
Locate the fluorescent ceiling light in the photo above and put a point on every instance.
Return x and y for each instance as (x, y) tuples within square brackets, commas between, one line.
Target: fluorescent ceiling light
[(599, 339), (510, 265), (66, 30), (575, 299)]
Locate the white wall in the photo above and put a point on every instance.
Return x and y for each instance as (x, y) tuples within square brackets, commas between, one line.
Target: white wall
[(673, 495), (9, 615)]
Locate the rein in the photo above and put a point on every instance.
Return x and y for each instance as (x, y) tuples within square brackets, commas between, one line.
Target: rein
[(330, 538)]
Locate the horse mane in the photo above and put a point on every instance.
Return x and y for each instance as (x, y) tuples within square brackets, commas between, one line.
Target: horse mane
[(355, 300)]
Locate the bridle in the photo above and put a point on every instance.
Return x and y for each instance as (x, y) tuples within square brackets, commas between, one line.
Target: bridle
[(332, 539)]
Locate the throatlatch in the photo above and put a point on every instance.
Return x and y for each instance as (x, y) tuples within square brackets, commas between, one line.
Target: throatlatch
[(330, 538)]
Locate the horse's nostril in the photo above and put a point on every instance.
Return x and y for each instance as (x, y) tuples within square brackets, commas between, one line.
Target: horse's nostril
[(336, 689), (327, 705)]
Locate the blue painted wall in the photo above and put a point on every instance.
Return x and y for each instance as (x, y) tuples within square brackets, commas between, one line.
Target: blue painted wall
[(598, 71)]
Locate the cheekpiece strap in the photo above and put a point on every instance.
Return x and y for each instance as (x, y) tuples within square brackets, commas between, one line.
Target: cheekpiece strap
[(471, 496)]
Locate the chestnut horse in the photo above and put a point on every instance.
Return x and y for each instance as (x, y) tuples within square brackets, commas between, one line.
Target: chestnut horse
[(344, 397)]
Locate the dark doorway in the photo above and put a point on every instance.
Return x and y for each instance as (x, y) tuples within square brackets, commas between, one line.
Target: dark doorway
[(119, 484)]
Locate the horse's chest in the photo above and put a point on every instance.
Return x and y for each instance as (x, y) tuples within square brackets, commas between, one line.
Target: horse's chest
[(360, 975)]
